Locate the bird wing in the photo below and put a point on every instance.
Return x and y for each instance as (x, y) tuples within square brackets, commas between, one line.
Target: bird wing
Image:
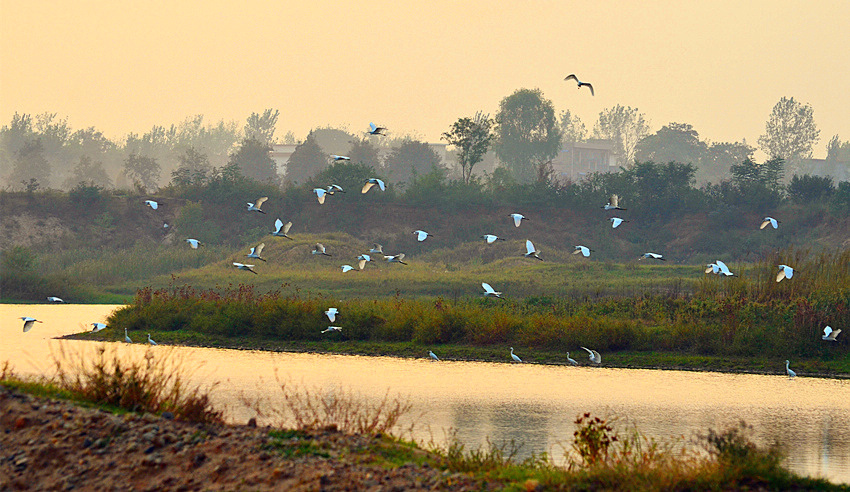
[(827, 330), (488, 288), (372, 127), (773, 222), (615, 201), (367, 186), (319, 247), (529, 246), (400, 256), (835, 333), (577, 250), (591, 89), (381, 184), (238, 265), (596, 357), (789, 272), (261, 201), (346, 268), (571, 76), (780, 275), (28, 325), (362, 264), (764, 224), (517, 219), (278, 224), (259, 249)]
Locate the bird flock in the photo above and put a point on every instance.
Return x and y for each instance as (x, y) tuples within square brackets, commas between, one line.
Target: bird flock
[(282, 229)]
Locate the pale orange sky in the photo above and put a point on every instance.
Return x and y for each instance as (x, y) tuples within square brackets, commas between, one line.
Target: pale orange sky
[(416, 67)]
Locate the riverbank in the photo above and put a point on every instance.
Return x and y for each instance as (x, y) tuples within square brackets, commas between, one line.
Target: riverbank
[(838, 368)]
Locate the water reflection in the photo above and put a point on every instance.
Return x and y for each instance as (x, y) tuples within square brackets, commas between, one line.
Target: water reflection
[(532, 405)]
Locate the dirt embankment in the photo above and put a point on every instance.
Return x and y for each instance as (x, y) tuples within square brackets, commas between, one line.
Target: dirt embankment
[(55, 445)]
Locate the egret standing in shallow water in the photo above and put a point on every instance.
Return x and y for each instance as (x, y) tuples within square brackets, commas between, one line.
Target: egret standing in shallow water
[(571, 360), (784, 272), (29, 322), (127, 337), (829, 334), (433, 356), (255, 207), (514, 356), (281, 229), (788, 370), (769, 220), (151, 342), (594, 356)]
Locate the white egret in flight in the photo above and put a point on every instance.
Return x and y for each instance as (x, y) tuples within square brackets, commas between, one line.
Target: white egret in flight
[(337, 158), (399, 258), (518, 219), (584, 250), (152, 204), (531, 252), (369, 183), (151, 342), (616, 221), (194, 243), (29, 322), (332, 328), (256, 251), (127, 338), (319, 249), (769, 220), (829, 334), (376, 130), (490, 238), (723, 269), (784, 272), (281, 229), (255, 207), (245, 267), (377, 248), (433, 355), (788, 370), (54, 299), (652, 256), (347, 268), (489, 291), (514, 356), (362, 260), (572, 76), (331, 314), (335, 188), (613, 203), (421, 235), (96, 327), (594, 356), (320, 194)]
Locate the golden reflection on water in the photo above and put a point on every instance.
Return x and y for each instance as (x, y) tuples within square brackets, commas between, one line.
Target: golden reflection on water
[(531, 404)]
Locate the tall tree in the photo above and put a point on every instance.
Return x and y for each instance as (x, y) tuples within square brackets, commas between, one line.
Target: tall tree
[(573, 130), (625, 126), (261, 126), (719, 157), (790, 132), (253, 160), (837, 151), (90, 172), (472, 137), (143, 170), (527, 133), (31, 164), (365, 153), (307, 161), (675, 142), (411, 158)]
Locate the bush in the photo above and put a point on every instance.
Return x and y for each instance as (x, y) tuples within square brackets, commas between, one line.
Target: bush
[(808, 188)]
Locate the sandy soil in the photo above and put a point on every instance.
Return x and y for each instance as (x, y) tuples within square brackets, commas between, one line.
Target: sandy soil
[(56, 445)]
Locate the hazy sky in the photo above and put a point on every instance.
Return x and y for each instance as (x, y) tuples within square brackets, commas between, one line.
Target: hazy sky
[(416, 67)]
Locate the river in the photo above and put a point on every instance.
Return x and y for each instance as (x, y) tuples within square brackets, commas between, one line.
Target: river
[(530, 404)]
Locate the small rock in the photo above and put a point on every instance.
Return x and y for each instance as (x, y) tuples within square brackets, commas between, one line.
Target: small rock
[(87, 443), (167, 415)]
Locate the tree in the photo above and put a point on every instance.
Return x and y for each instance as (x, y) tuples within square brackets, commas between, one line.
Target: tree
[(527, 133), (808, 188), (261, 127), (90, 172), (333, 140), (194, 168), (573, 130), (675, 142), (837, 151), (307, 160), (12, 138), (790, 132), (365, 153), (142, 170), (625, 126), (253, 161), (31, 164), (719, 157), (472, 137), (410, 159)]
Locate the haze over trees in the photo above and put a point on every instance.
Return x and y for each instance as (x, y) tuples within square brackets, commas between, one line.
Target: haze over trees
[(472, 138), (625, 127), (790, 132), (527, 133)]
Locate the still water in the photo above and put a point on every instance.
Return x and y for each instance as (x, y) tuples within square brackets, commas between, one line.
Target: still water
[(530, 404)]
